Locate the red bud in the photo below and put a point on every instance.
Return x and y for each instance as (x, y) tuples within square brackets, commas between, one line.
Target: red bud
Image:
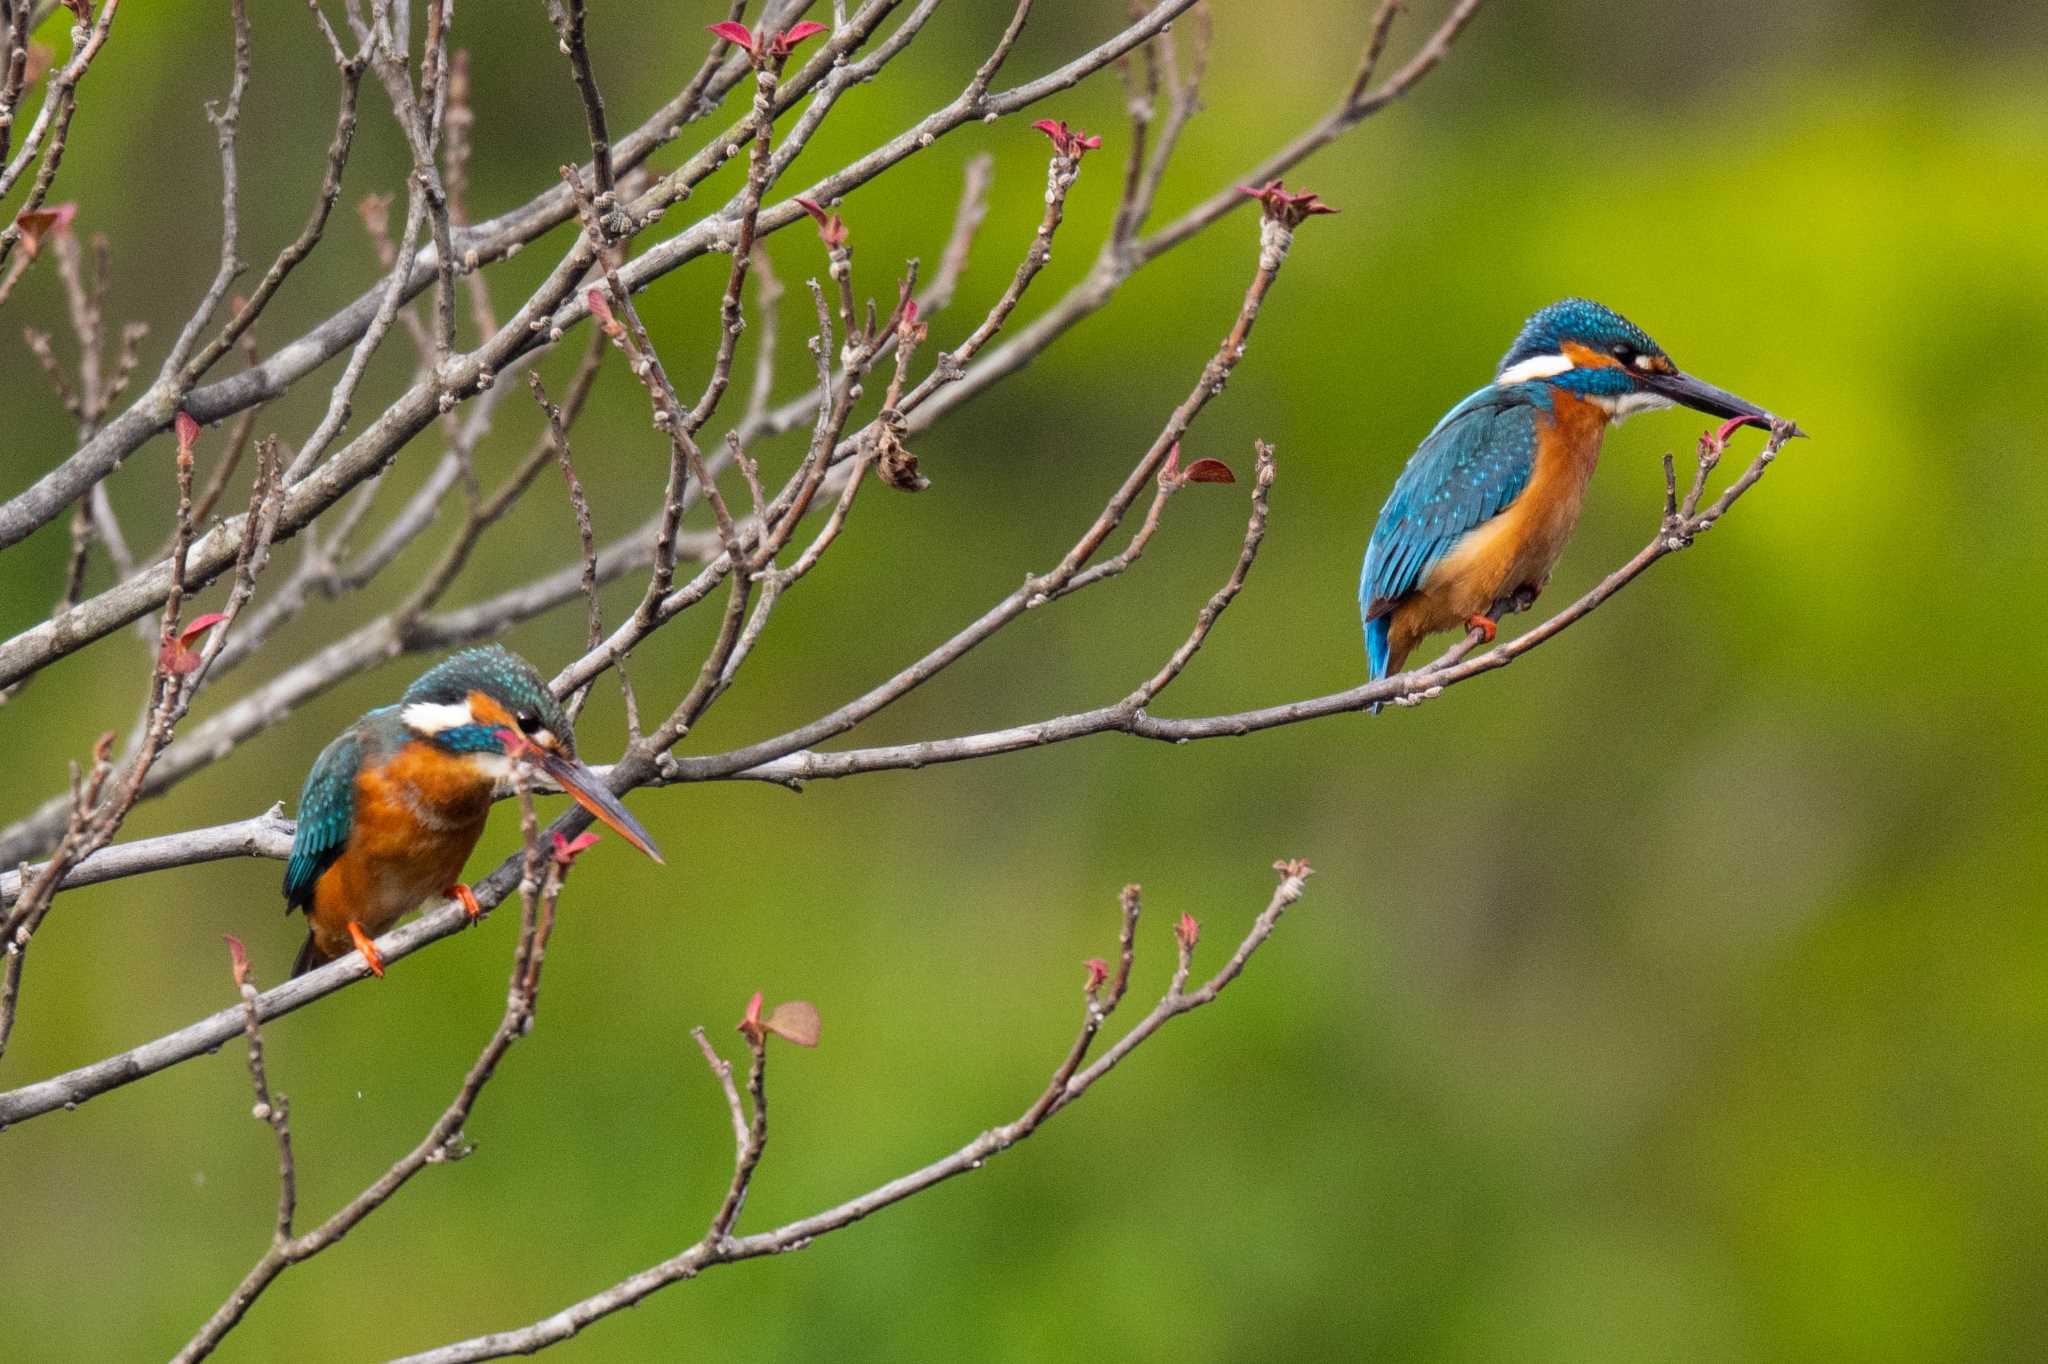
[(1208, 471), (238, 956), (1284, 208), (1188, 932), (751, 1026), (1068, 142), (1098, 972), (830, 226)]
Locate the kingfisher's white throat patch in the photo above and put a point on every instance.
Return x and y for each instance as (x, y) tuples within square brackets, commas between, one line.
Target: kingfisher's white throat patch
[(1621, 409), (1535, 367), (432, 717)]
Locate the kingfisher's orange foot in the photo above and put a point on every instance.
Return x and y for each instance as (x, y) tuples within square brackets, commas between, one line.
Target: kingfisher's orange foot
[(1484, 625), (372, 958), (467, 896)]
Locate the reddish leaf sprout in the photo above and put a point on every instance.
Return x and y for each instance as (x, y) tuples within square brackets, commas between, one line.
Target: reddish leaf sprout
[(778, 47), (176, 655), (1289, 210), (831, 227), (1071, 143), (36, 224), (785, 42), (793, 1021), (238, 957), (1098, 972), (567, 849), (601, 309)]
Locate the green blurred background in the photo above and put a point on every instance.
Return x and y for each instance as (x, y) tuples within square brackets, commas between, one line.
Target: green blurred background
[(1675, 994)]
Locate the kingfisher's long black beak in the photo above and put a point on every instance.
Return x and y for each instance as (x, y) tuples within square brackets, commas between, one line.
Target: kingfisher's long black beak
[(1702, 396), (593, 795)]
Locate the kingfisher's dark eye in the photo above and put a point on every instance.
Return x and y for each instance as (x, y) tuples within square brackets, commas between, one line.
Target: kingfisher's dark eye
[(1623, 351), (528, 718)]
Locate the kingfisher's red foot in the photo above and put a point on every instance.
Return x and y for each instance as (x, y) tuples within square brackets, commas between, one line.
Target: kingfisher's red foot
[(467, 896), (1484, 625), (372, 958)]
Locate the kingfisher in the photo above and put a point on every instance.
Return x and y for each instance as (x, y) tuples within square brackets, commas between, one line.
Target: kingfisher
[(393, 807), (1490, 497)]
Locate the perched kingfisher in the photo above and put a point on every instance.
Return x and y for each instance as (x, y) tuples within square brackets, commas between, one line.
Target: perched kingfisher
[(1490, 497), (392, 808)]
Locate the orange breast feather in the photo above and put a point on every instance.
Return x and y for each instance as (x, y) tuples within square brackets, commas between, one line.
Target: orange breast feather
[(417, 818)]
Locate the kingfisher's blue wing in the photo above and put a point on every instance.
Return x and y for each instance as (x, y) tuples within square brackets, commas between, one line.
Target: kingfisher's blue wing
[(327, 808), (1464, 473)]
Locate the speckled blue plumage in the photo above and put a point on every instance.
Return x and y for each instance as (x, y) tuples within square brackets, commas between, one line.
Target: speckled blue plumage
[(1593, 325), (1466, 471)]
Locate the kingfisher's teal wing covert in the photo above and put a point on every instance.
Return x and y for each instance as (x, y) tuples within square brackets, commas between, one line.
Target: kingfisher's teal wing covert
[(1488, 501), (393, 806), (327, 806)]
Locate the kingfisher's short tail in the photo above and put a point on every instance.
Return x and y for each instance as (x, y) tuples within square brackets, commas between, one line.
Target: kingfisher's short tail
[(310, 956), (1378, 651)]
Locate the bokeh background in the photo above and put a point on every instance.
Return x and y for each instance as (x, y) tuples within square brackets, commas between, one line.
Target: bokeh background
[(1679, 993)]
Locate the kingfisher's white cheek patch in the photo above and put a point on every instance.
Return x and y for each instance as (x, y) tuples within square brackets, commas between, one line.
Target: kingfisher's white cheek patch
[(431, 717), (1535, 367)]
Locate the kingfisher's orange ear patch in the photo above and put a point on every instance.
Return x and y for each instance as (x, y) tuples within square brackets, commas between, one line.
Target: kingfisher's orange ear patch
[(1583, 357), (487, 711)]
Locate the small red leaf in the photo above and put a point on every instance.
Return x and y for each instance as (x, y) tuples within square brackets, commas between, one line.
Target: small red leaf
[(1188, 932), (1098, 972), (786, 41), (188, 431), (42, 222), (737, 34), (175, 659), (795, 1021), (201, 625), (566, 849), (1208, 471)]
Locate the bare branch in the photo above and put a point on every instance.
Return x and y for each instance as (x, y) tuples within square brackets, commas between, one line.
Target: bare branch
[(1068, 1084)]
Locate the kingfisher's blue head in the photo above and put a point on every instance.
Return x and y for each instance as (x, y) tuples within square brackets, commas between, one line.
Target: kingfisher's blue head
[(485, 706), (1592, 351)]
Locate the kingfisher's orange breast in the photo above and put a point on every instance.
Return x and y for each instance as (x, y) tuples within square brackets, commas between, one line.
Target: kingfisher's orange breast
[(1518, 548), (417, 818)]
